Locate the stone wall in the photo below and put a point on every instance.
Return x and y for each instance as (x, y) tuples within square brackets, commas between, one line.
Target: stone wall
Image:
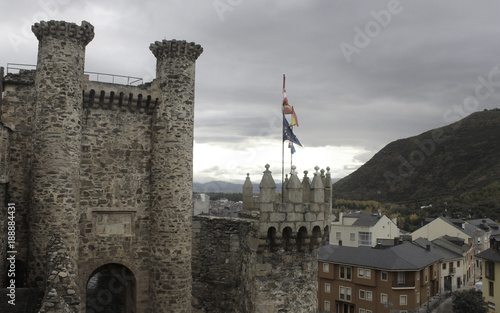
[(115, 187), (62, 294), (220, 253), (17, 114), (4, 179)]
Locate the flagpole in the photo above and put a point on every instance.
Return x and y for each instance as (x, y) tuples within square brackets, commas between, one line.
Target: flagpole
[(282, 145)]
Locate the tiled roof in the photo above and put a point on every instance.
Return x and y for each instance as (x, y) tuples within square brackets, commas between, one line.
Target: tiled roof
[(406, 256), (490, 254)]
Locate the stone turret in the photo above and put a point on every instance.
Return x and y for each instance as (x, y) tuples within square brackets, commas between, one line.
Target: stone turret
[(288, 235), (55, 171), (247, 194), (172, 176)]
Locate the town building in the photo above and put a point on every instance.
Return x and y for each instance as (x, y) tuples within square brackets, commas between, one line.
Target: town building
[(400, 278), (435, 228), (363, 229), (454, 255), (491, 271)]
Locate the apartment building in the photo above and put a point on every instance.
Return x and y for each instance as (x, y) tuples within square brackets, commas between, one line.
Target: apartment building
[(454, 253), (368, 280), (362, 229), (491, 271)]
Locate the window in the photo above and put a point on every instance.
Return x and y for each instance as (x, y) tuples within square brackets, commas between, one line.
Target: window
[(401, 278), (326, 268), (361, 272), (327, 287), (426, 274), (368, 274), (418, 297), (368, 311), (369, 296), (327, 306), (444, 266), (345, 272), (491, 289), (490, 270), (353, 237), (458, 263), (383, 298), (364, 238), (345, 293), (362, 311), (338, 235), (403, 300), (383, 276), (362, 294)]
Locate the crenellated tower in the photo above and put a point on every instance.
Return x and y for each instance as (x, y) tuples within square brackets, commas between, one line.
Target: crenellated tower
[(56, 144), (288, 233), (172, 176)]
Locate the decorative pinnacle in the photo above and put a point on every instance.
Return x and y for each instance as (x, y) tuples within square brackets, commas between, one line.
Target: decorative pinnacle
[(267, 179), (327, 170), (294, 172), (305, 173), (317, 170), (267, 166), (176, 49), (83, 33)]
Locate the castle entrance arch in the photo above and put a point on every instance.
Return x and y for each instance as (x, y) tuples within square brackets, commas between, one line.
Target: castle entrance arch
[(111, 289)]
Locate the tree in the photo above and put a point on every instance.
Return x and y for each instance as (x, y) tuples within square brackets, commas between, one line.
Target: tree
[(469, 301)]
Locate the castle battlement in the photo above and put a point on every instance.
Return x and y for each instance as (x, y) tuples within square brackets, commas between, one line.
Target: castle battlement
[(175, 48), (300, 219), (119, 101), (85, 32)]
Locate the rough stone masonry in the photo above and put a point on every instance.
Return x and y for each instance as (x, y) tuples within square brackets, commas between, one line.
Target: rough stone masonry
[(101, 177)]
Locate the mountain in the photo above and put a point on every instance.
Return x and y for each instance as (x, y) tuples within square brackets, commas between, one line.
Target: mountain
[(217, 186), (443, 162)]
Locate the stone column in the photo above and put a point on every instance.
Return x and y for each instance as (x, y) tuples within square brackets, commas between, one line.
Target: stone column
[(172, 177), (55, 170)]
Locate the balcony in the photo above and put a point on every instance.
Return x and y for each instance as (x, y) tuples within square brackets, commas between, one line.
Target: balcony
[(403, 285)]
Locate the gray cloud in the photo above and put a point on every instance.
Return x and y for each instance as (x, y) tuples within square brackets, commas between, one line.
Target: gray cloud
[(405, 80)]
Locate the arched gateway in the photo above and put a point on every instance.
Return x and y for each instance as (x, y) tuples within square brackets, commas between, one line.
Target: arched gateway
[(111, 289)]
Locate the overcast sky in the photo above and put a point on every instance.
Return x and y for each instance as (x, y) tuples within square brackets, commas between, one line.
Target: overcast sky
[(359, 74)]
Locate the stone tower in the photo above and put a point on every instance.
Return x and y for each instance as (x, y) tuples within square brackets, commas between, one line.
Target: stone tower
[(284, 267), (57, 134), (172, 176)]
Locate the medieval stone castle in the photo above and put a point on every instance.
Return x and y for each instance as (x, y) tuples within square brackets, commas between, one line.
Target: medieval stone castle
[(96, 185)]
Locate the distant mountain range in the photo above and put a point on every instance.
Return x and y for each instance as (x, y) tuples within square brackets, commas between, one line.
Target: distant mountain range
[(443, 162), (225, 187)]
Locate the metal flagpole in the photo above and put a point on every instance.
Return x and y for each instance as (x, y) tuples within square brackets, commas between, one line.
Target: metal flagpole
[(282, 144)]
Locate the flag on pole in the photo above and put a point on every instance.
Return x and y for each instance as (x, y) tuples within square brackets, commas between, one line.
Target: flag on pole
[(287, 109), (295, 121), (292, 148), (288, 133)]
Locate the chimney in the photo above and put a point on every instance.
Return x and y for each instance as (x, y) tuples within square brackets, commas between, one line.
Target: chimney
[(428, 248)]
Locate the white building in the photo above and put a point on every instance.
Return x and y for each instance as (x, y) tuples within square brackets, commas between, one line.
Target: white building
[(362, 229)]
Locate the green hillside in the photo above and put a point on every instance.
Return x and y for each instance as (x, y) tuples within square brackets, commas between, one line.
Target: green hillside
[(452, 164)]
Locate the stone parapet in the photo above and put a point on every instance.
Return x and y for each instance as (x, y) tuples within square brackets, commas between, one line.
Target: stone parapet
[(83, 33), (176, 49)]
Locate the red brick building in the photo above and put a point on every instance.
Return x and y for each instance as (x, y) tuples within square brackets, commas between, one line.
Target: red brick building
[(369, 280)]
